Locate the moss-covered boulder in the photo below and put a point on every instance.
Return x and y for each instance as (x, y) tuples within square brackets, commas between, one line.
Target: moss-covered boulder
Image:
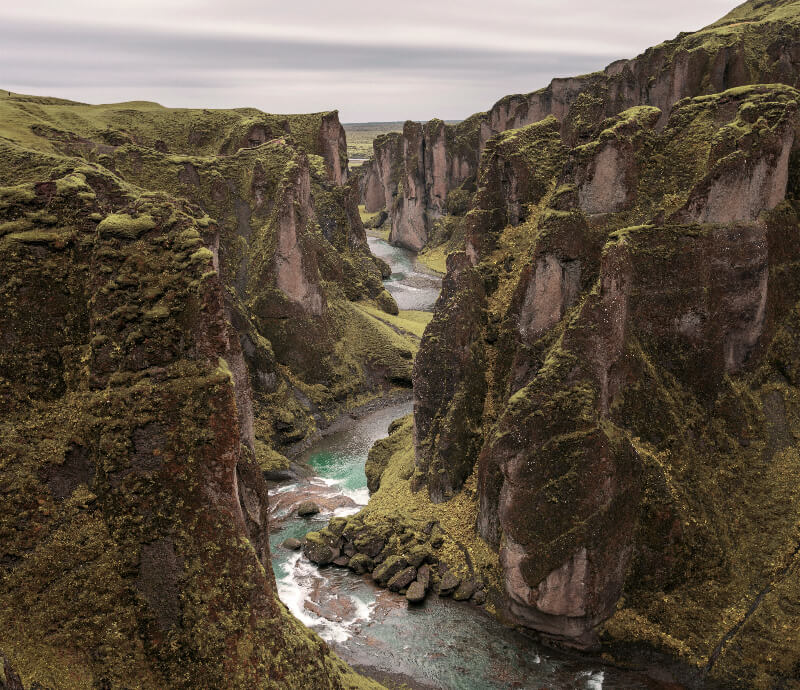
[(389, 568), (321, 547), (402, 580), (416, 593)]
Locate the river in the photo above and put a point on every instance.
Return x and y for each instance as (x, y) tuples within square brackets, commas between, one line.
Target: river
[(444, 644)]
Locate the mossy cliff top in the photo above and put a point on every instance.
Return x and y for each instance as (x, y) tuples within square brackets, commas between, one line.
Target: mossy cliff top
[(173, 318), (756, 43), (134, 549), (633, 448), (55, 125), (752, 44), (290, 242)]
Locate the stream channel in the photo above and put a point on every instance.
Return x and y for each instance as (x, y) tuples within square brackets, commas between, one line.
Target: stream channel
[(443, 644)]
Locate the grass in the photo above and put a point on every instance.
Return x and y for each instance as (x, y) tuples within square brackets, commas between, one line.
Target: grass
[(382, 233), (396, 502), (409, 322), (55, 126), (435, 258), (360, 136), (366, 217)]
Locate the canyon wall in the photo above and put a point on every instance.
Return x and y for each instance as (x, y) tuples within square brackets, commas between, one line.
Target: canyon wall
[(443, 158), (624, 305), (171, 281), (634, 351)]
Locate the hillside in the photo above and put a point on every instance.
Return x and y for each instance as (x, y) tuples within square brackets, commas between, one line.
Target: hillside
[(178, 293), (603, 449)]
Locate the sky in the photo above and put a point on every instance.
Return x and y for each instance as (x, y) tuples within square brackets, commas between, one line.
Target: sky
[(370, 59)]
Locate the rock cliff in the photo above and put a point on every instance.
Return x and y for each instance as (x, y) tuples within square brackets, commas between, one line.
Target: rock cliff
[(633, 448), (608, 375), (756, 43), (171, 281)]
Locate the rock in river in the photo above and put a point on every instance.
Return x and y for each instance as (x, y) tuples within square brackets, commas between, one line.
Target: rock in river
[(307, 509), (416, 592)]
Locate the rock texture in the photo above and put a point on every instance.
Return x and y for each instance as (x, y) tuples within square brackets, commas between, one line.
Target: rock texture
[(140, 396), (635, 329), (444, 158)]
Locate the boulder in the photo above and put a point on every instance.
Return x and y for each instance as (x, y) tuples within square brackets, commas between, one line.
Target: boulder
[(319, 549), (464, 591), (417, 555), (448, 584), (292, 544), (388, 569), (402, 579), (360, 564), (307, 509), (424, 576), (369, 544), (415, 593), (387, 303)]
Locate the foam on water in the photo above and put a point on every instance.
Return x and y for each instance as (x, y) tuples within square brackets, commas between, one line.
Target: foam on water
[(595, 680), (295, 587)]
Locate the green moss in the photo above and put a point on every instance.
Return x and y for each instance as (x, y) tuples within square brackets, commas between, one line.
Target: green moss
[(270, 460), (395, 511), (123, 370), (125, 226)]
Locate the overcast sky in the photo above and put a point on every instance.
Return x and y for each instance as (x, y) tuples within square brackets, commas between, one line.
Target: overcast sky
[(371, 59)]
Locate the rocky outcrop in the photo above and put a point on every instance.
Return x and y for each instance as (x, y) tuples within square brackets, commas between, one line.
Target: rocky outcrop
[(142, 397), (516, 174), (409, 222), (299, 282), (448, 401), (333, 146), (633, 319), (709, 61), (410, 552), (138, 454), (417, 170), (383, 172)]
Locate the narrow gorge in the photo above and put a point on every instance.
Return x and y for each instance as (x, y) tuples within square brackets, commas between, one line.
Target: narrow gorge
[(252, 439)]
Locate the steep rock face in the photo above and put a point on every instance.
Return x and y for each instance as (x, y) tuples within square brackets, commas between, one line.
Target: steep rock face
[(382, 177), (705, 62), (516, 174), (292, 249), (446, 436), (141, 398), (409, 224), (417, 171), (130, 489), (292, 277), (637, 325), (333, 147), (370, 188)]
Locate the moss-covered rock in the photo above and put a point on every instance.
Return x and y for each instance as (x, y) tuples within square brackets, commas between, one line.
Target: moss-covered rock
[(633, 389), (134, 513), (134, 549), (321, 547)]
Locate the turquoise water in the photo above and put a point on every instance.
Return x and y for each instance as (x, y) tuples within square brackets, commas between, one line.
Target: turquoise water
[(444, 644), (412, 285)]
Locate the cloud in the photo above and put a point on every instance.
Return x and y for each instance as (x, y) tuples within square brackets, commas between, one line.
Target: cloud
[(373, 61)]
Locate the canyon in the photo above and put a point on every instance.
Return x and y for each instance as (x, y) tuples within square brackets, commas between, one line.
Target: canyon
[(603, 444)]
